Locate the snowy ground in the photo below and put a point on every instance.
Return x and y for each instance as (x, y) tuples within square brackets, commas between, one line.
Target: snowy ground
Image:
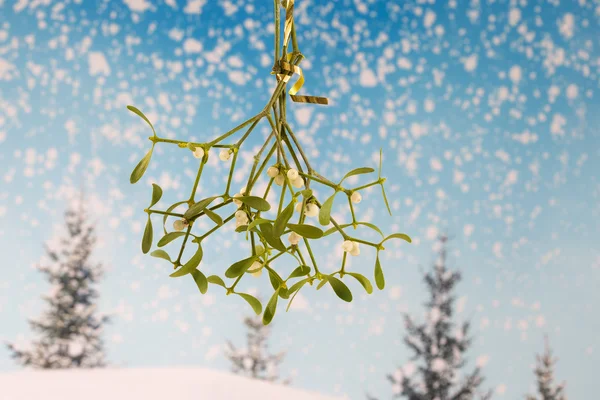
[(146, 383)]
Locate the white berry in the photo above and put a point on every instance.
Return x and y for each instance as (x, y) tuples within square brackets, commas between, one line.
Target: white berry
[(237, 202), (259, 249), (255, 269), (198, 152), (298, 182), (279, 179), (179, 225), (240, 215), (225, 154), (312, 210), (356, 197), (273, 172), (294, 238), (292, 174), (347, 245), (355, 249)]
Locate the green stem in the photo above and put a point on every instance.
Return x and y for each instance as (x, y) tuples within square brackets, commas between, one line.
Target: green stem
[(234, 130), (277, 35), (200, 168), (215, 228), (165, 213), (310, 253), (366, 186), (235, 155)]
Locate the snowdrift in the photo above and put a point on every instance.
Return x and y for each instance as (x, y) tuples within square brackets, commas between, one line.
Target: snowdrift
[(143, 384)]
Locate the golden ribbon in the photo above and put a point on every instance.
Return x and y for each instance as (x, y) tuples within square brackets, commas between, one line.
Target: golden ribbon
[(290, 69)]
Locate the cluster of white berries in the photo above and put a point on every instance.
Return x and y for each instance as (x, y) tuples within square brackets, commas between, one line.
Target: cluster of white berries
[(351, 247), (310, 209), (225, 154), (292, 174), (180, 224)]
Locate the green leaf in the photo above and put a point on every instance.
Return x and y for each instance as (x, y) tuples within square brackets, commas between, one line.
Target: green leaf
[(340, 288), (357, 171), (283, 219), (271, 308), (147, 238), (169, 237), (216, 280), (367, 224), (385, 199), (258, 221), (274, 278), (258, 203), (253, 301), (171, 208), (200, 280), (323, 281), (141, 114), (296, 286), (379, 279), (198, 207), (240, 267), (274, 242), (402, 236), (325, 211), (156, 194), (380, 162), (307, 193), (214, 216), (191, 265), (139, 169), (300, 271), (161, 254), (363, 281), (307, 231)]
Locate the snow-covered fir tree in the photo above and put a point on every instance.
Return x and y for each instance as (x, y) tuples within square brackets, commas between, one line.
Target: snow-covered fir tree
[(255, 361), (544, 372), (69, 330), (438, 344)]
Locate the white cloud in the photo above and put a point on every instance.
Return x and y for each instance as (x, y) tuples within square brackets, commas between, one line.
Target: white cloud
[(98, 64)]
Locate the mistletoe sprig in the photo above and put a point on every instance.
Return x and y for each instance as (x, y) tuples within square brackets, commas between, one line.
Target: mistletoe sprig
[(275, 241)]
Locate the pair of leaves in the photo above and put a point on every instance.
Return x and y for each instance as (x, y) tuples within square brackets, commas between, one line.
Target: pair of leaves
[(191, 265), (325, 211), (273, 241)]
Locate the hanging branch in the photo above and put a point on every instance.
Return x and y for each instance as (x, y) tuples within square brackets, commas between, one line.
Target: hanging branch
[(246, 207)]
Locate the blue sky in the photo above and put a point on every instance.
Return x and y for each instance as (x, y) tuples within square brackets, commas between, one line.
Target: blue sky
[(486, 114)]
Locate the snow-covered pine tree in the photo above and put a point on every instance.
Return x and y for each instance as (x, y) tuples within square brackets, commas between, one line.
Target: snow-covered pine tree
[(437, 346), (544, 372), (255, 361), (69, 330)]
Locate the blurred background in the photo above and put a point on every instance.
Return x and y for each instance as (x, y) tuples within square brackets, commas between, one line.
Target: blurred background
[(487, 113)]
